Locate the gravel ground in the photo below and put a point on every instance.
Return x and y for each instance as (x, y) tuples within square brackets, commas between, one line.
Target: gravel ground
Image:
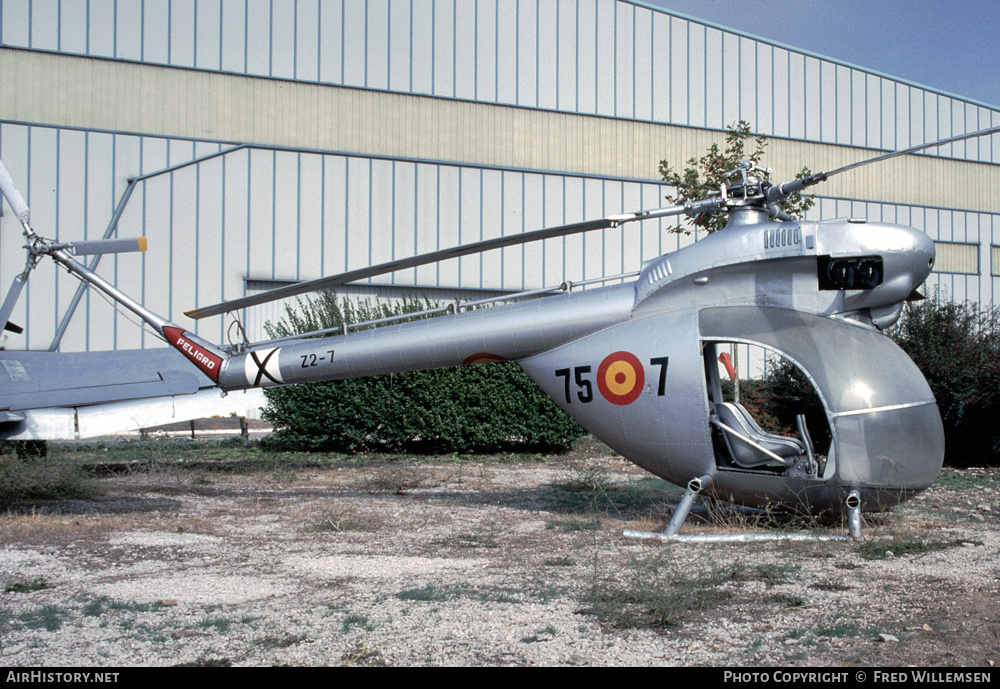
[(480, 563)]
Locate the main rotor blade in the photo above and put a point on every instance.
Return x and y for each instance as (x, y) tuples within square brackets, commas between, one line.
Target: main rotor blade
[(914, 149), (432, 257), (13, 196), (780, 192)]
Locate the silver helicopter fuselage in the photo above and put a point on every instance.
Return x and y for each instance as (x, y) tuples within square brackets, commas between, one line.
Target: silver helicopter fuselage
[(628, 362)]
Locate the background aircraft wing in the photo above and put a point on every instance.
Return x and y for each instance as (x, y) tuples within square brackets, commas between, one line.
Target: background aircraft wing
[(46, 395)]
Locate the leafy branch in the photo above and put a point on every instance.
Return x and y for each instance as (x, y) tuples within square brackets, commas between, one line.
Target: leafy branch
[(706, 175)]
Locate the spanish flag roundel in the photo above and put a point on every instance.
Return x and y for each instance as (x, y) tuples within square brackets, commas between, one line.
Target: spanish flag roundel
[(620, 378)]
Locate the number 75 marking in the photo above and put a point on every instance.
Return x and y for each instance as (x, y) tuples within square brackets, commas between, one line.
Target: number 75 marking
[(585, 387)]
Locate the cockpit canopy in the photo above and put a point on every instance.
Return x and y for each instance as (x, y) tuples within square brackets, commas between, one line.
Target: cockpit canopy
[(883, 417)]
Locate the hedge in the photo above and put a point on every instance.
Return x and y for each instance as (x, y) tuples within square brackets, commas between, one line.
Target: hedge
[(483, 408)]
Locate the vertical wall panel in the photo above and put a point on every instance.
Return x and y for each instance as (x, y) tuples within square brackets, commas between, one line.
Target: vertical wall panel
[(859, 109), (404, 203), (377, 29), (507, 55), (331, 41), (680, 86), (661, 52), (547, 45), (764, 107), (447, 219), (697, 75), (624, 47), (486, 53), (796, 102), (714, 94), (420, 62), (354, 24), (100, 29), (400, 49), (811, 96), (15, 21), (904, 117), (333, 242), (527, 54), (511, 269), (887, 135), (466, 50), (748, 80), (491, 207), (425, 213), (595, 55), (181, 29), (128, 40), (306, 40), (781, 108), (873, 112), (645, 65), (834, 121), (567, 19)]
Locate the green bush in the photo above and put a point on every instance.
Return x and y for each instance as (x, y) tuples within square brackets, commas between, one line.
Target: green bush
[(484, 408), (957, 348)]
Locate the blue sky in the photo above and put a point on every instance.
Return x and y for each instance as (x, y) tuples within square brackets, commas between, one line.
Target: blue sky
[(948, 45)]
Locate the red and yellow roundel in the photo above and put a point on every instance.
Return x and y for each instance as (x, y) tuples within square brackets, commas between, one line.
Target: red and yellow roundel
[(481, 358), (620, 378)]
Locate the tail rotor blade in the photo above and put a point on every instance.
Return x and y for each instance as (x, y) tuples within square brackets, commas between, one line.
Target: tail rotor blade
[(8, 304), (107, 246), (13, 196)]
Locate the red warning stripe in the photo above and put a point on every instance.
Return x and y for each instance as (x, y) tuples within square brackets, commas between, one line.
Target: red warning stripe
[(202, 358)]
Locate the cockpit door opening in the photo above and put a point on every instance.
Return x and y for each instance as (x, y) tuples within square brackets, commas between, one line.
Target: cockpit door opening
[(761, 411)]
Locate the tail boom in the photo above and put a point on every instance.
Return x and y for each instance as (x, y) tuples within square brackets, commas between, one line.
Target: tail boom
[(494, 334)]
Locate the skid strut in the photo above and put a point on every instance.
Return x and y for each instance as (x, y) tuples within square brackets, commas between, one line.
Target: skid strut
[(694, 488)]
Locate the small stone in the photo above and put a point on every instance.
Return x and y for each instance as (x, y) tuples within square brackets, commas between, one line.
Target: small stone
[(886, 638)]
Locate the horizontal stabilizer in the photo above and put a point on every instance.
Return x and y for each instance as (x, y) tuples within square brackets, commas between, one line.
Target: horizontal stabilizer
[(11, 417)]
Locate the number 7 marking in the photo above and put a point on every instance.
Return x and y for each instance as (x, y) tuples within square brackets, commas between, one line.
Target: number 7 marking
[(661, 361)]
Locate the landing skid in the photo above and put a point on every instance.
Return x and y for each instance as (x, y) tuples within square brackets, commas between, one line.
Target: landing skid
[(694, 488)]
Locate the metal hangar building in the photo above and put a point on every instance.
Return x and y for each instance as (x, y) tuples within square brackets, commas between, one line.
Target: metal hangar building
[(259, 143)]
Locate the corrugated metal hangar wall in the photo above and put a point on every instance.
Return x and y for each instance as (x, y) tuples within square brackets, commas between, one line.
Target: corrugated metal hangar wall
[(259, 142)]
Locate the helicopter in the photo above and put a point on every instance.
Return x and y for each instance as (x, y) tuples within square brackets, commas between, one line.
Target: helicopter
[(636, 363)]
